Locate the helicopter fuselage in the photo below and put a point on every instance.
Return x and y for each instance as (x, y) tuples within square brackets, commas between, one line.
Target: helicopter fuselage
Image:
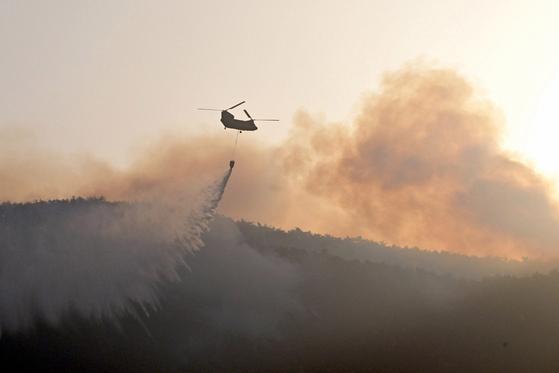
[(229, 121)]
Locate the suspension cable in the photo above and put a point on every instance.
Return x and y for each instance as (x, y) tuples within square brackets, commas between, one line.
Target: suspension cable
[(235, 146)]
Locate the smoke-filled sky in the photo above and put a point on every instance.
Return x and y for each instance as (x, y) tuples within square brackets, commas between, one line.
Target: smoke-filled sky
[(104, 76), (98, 99)]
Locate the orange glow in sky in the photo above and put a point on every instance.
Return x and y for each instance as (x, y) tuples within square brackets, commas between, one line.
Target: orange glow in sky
[(103, 77)]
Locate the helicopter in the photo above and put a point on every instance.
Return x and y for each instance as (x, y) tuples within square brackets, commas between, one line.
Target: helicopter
[(229, 120)]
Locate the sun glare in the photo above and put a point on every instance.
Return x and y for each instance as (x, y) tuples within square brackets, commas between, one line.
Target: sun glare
[(542, 142)]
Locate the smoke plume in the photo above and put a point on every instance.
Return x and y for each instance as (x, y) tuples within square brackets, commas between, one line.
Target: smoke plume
[(422, 166)]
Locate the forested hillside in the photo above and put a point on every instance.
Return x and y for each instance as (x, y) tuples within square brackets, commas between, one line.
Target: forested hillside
[(259, 299), (265, 237)]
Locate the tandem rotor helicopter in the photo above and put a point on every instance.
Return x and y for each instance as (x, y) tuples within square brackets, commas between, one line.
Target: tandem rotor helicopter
[(229, 120)]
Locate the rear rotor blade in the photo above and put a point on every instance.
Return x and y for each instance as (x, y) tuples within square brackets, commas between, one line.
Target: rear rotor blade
[(234, 106), (248, 115), (209, 109)]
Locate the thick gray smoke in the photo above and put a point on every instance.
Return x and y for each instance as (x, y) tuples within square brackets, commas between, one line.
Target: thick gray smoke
[(97, 259)]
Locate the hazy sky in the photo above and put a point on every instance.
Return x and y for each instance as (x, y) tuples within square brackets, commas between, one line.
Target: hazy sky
[(105, 76)]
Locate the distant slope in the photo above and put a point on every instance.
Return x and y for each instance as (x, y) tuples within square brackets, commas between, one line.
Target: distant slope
[(441, 262)]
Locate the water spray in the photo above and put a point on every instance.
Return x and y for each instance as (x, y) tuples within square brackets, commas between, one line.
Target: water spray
[(96, 259)]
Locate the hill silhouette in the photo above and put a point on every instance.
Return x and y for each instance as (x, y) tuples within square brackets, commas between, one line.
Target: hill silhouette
[(255, 298)]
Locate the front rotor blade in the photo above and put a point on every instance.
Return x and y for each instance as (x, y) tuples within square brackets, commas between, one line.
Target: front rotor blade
[(248, 115), (234, 106), (267, 120)]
